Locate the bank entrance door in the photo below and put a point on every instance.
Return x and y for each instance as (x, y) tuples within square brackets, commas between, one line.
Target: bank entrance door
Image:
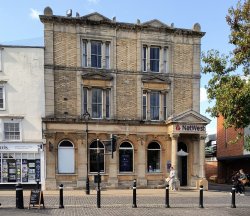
[(182, 164)]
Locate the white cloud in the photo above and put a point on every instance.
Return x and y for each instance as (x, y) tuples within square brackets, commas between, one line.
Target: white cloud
[(94, 1), (34, 14), (203, 95)]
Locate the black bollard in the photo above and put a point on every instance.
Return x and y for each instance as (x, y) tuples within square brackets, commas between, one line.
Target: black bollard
[(233, 198), (87, 186), (167, 197), (19, 196), (134, 194), (201, 197), (37, 184), (61, 196)]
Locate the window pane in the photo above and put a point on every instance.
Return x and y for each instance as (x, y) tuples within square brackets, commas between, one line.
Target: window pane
[(164, 106), (144, 58), (154, 160), (96, 103), (144, 106), (125, 160), (96, 54), (108, 103), (11, 131), (84, 53), (107, 55), (85, 100), (154, 59), (165, 60), (93, 160), (154, 105)]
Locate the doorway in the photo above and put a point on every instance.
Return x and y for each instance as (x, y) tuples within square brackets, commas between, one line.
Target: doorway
[(182, 164)]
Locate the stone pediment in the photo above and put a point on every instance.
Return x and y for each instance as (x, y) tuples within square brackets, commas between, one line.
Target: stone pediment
[(189, 116), (97, 76), (155, 23), (155, 79), (96, 17)]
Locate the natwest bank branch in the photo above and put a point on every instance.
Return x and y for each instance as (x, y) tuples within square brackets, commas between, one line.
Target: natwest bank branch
[(20, 162)]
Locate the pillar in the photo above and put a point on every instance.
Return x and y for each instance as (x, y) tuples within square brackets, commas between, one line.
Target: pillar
[(202, 156), (174, 148)]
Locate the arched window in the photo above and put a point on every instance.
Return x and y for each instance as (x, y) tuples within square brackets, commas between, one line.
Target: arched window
[(126, 157), (66, 150), (93, 156), (154, 157)]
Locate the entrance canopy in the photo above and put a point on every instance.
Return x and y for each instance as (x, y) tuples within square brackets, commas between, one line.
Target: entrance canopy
[(190, 122)]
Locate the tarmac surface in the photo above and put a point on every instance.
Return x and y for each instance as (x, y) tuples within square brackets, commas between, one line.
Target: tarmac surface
[(217, 201)]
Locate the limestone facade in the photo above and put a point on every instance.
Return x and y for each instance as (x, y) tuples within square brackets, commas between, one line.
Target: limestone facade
[(140, 82)]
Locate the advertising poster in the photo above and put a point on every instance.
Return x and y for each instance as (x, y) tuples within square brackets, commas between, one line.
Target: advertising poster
[(125, 163), (25, 171), (38, 168), (18, 170)]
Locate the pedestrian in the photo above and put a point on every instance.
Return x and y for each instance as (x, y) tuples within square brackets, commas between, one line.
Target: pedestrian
[(172, 181)]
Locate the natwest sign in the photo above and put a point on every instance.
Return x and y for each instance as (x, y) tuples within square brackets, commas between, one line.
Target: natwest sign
[(190, 127)]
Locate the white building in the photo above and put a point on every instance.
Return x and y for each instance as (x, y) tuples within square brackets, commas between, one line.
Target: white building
[(21, 110)]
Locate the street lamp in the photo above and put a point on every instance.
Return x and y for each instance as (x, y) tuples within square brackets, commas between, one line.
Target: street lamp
[(86, 117), (98, 176)]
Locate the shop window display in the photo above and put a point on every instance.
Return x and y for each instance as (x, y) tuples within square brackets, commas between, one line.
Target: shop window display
[(19, 167)]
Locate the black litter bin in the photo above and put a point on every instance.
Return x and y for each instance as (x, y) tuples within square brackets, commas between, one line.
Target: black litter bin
[(19, 196)]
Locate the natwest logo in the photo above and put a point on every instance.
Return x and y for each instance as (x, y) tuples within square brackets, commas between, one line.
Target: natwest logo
[(190, 127)]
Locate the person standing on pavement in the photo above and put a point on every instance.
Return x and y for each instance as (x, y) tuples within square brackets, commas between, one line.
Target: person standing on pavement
[(172, 181)]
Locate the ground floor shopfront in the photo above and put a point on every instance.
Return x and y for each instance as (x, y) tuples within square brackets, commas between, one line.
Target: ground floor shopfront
[(21, 163), (145, 151)]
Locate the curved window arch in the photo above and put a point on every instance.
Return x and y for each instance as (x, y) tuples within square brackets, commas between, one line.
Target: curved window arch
[(154, 157), (126, 157), (93, 156), (66, 150)]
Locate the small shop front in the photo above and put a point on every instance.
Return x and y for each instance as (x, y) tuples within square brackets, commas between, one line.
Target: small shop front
[(20, 163)]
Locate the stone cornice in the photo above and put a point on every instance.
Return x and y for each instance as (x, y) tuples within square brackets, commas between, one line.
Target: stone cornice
[(157, 78), (118, 25)]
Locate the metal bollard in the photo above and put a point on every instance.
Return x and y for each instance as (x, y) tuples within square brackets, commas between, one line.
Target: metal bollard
[(61, 196), (98, 197), (19, 196), (134, 194), (37, 184), (167, 197), (87, 191), (201, 197), (233, 198)]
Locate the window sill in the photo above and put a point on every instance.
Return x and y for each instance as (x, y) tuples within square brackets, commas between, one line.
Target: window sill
[(154, 173), (67, 174), (126, 173)]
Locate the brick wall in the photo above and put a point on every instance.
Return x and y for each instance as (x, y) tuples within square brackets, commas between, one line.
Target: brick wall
[(224, 136), (182, 95), (65, 93), (126, 100)]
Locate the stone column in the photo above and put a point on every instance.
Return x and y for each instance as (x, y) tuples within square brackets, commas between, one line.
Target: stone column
[(113, 169), (202, 156), (174, 148), (141, 161)]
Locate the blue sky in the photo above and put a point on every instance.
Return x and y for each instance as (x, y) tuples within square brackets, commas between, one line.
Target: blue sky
[(20, 25)]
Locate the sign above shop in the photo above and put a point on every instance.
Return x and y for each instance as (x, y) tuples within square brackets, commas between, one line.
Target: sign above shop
[(190, 127), (19, 147)]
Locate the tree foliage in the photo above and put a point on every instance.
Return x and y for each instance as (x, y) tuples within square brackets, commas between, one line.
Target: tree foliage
[(229, 88)]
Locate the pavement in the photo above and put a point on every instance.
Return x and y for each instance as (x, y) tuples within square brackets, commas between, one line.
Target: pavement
[(216, 201)]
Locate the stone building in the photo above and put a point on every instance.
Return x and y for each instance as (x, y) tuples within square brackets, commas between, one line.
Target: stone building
[(140, 82)]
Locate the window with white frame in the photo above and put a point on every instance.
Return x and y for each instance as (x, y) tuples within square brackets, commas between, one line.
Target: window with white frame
[(12, 130), (98, 102), (154, 105), (95, 53), (126, 157), (154, 157), (66, 150), (2, 97), (154, 59)]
